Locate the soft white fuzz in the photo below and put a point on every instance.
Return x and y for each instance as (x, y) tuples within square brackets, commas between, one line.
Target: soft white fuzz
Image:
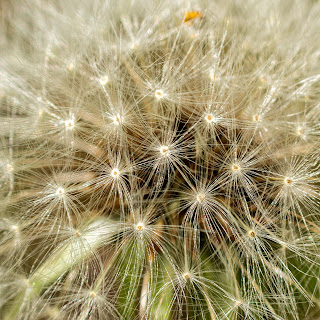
[(159, 159)]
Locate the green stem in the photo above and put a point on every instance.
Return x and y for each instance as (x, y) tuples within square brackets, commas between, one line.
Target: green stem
[(67, 256)]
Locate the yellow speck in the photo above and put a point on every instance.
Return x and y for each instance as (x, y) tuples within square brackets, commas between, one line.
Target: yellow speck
[(191, 15)]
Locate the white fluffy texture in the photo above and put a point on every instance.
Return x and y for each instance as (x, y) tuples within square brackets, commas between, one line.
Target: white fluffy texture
[(184, 135)]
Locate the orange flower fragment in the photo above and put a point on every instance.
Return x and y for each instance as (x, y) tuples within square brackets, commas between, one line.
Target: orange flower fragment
[(191, 15)]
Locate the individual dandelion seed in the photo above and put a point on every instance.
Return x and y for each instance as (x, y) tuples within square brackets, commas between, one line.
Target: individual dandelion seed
[(251, 233), (256, 118), (236, 168), (90, 301), (104, 80), (288, 181), (186, 275), (69, 124), (71, 66), (300, 132), (15, 229), (164, 151), (213, 76), (189, 281), (116, 120), (210, 118), (164, 148), (140, 226), (55, 124), (200, 197), (108, 183), (60, 192), (115, 173), (159, 94), (10, 168), (13, 237), (53, 196), (295, 187)]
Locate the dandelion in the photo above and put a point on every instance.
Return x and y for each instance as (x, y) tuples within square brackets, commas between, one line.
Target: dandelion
[(159, 160)]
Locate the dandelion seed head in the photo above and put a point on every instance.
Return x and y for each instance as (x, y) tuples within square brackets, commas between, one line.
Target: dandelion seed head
[(155, 163)]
